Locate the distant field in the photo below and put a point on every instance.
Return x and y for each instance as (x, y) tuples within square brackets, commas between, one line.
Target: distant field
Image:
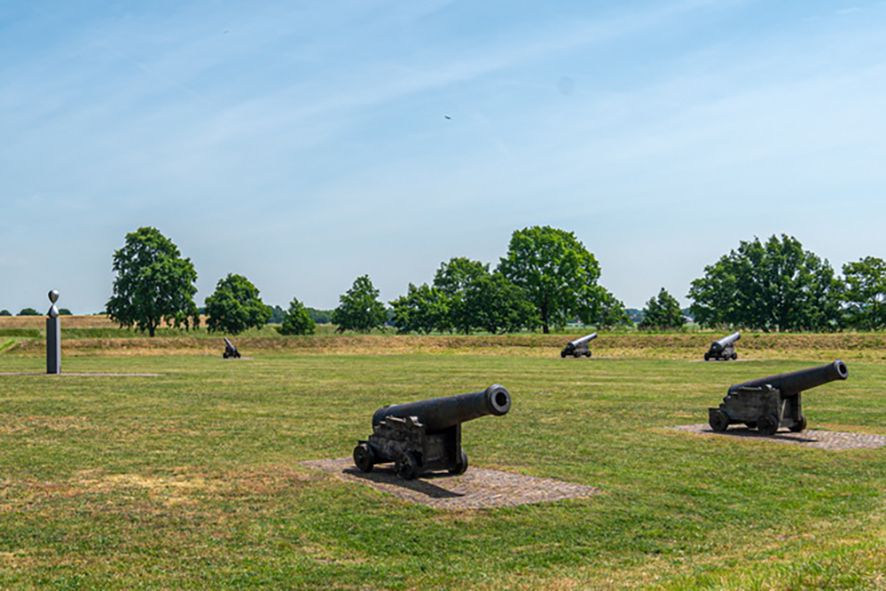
[(193, 479), (88, 335)]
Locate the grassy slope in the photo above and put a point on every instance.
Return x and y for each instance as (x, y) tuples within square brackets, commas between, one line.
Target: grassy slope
[(192, 479)]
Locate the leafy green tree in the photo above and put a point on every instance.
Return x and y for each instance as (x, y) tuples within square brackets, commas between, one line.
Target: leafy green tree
[(453, 279), (598, 307), (864, 293), (768, 286), (662, 312), (423, 309), (235, 306), (5, 313), (277, 315), (494, 304), (64, 312), (153, 283), (359, 308), (554, 269), (320, 316), (28, 312), (297, 319)]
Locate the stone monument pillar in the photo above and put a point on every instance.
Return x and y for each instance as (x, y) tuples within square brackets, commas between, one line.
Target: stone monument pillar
[(53, 337)]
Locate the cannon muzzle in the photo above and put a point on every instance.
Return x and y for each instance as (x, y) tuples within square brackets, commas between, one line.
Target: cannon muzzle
[(583, 340), (791, 384), (438, 414)]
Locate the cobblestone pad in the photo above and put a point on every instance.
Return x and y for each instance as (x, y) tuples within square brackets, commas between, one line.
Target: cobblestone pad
[(478, 488), (834, 440)]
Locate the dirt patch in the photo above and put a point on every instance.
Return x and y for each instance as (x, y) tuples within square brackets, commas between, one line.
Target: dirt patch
[(478, 488), (833, 440), (10, 423), (266, 480)]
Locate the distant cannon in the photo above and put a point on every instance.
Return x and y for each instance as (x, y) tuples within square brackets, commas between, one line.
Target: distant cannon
[(772, 402), (578, 347), (424, 436), (230, 350), (723, 349)]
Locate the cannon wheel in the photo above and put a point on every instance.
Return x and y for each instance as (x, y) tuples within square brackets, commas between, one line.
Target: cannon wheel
[(719, 422), (707, 356), (768, 425), (799, 425), (461, 465), (364, 459), (734, 356), (577, 354), (406, 466), (588, 354), (562, 354)]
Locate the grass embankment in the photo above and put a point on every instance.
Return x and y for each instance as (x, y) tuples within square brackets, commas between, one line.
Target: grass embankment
[(193, 480), (88, 335)]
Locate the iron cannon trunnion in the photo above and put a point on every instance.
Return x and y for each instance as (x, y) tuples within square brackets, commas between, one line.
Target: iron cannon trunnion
[(426, 435), (769, 403)]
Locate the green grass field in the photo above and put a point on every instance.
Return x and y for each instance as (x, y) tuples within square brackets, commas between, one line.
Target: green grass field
[(192, 479)]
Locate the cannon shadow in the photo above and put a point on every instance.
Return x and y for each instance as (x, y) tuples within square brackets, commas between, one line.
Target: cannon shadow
[(419, 485)]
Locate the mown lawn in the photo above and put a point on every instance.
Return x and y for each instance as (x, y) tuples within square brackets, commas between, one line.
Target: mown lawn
[(193, 479)]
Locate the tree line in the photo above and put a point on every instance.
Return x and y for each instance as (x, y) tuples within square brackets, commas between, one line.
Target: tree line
[(546, 279)]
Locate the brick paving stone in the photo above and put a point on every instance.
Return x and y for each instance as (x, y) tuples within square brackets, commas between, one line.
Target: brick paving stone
[(478, 488), (833, 440)]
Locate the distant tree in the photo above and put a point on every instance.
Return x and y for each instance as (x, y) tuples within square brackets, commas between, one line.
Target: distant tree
[(64, 312), (359, 308), (235, 306), (635, 315), (320, 316), (598, 307), (153, 283), (29, 312), (423, 309), (494, 304), (5, 313), (768, 286), (864, 293), (554, 269), (453, 279), (277, 315), (297, 320), (662, 312)]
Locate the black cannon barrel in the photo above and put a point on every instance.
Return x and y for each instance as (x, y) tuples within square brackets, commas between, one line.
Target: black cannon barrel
[(794, 382), (721, 344), (441, 413), (584, 339)]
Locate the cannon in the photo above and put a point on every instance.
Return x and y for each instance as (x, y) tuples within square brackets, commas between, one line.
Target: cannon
[(723, 349), (578, 347), (770, 403), (424, 436), (230, 350)]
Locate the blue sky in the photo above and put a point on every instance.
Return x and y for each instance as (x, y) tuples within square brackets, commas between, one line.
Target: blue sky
[(304, 143)]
